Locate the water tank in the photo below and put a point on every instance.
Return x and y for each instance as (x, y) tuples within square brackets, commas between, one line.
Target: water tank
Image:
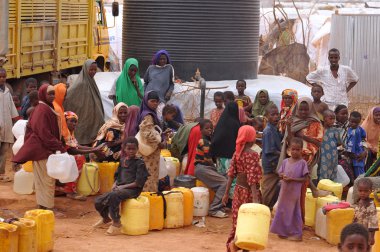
[(220, 37)]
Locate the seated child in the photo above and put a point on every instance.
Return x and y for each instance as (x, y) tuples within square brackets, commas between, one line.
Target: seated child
[(243, 100), (354, 237), (169, 114), (130, 178), (320, 106), (365, 209), (217, 112)]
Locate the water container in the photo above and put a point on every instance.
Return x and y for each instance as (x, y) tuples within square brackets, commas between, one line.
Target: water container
[(252, 215), (310, 209), (63, 167), (188, 205), (27, 241), (23, 182), (375, 198), (8, 237), (173, 166), (19, 128), (199, 183), (107, 175), (165, 153), (45, 221), (156, 211), (187, 181), (201, 201), (163, 171), (337, 219), (320, 224), (376, 246), (323, 201), (174, 209), (350, 197), (28, 166), (341, 176), (88, 183), (331, 186), (135, 216), (18, 144)]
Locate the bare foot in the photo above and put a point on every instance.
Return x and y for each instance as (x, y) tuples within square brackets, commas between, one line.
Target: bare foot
[(295, 238), (233, 247)]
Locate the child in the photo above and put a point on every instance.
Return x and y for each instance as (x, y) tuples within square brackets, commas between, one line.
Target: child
[(17, 102), (288, 102), (355, 145), (354, 237), (243, 100), (230, 97), (365, 209), (33, 98), (270, 156), (130, 178), (169, 114), (31, 85), (245, 167), (217, 112), (261, 102), (287, 222), (328, 161), (9, 114), (206, 172), (320, 106)]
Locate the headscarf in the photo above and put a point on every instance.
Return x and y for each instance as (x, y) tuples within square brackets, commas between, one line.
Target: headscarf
[(70, 115), (372, 129), (126, 91), (286, 112), (112, 123), (226, 131), (156, 57), (71, 140), (246, 134), (83, 98), (258, 108), (130, 123), (145, 110), (60, 93), (42, 94)]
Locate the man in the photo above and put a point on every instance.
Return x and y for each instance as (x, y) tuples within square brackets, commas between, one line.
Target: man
[(336, 80)]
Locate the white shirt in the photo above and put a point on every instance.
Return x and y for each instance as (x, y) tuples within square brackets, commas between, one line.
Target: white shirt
[(335, 89), (7, 112)]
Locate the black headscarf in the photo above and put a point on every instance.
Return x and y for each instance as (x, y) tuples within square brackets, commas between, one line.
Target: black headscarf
[(224, 139)]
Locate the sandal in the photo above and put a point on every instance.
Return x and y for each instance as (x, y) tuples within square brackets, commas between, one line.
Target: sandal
[(5, 179), (112, 230), (76, 196)]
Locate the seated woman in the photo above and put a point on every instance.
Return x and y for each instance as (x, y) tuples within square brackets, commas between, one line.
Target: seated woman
[(261, 103), (111, 134), (171, 118)]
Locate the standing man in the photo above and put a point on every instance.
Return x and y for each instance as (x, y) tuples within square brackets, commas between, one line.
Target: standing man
[(336, 80)]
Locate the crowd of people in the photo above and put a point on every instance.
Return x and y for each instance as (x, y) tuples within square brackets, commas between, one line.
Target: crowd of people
[(246, 151)]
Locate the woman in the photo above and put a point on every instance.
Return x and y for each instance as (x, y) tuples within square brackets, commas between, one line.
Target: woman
[(288, 102), (130, 123), (159, 77), (111, 134), (261, 103), (42, 138), (371, 125), (146, 123), (60, 94), (128, 88), (83, 98)]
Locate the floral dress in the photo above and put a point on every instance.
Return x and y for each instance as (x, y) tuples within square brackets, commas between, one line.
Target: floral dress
[(327, 167)]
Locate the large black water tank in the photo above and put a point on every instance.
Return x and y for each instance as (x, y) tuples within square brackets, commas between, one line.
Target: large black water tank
[(220, 37)]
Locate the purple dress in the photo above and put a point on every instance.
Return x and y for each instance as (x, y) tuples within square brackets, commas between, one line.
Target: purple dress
[(288, 219)]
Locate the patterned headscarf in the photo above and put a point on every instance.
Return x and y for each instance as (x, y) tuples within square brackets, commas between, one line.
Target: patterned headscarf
[(287, 111), (70, 115)]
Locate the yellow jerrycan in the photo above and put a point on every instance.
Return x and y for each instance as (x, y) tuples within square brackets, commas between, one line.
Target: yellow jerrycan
[(331, 186), (199, 183), (174, 209), (156, 212), (27, 238), (337, 219), (323, 201), (28, 166), (252, 215), (165, 153), (45, 221), (88, 183), (188, 205), (8, 237), (376, 246), (106, 175), (310, 209), (135, 216)]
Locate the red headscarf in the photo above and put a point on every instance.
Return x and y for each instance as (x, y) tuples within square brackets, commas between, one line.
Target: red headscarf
[(42, 94), (246, 134)]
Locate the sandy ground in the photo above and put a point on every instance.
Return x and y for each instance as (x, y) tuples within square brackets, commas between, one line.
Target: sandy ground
[(74, 233)]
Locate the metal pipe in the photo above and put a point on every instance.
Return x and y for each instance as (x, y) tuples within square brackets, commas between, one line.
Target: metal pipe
[(202, 85)]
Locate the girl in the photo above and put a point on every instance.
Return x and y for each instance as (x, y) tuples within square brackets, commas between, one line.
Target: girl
[(261, 102), (288, 103), (217, 112), (372, 127), (60, 94), (83, 97), (246, 168), (171, 117), (111, 134), (146, 123), (287, 222), (130, 178)]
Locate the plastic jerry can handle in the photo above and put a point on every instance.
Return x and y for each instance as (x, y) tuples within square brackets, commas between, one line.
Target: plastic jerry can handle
[(58, 152)]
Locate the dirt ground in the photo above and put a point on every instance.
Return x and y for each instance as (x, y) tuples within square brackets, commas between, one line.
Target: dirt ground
[(74, 233)]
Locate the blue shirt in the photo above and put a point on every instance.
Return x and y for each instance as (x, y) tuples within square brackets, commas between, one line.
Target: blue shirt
[(271, 148), (355, 143)]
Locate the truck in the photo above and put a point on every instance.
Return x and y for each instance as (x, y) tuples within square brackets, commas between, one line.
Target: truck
[(50, 37)]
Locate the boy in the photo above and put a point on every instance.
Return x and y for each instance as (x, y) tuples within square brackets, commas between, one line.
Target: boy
[(130, 178), (17, 102), (31, 85), (270, 156), (206, 172), (8, 114), (217, 112), (356, 143), (243, 100), (169, 114), (33, 98), (320, 106), (354, 237)]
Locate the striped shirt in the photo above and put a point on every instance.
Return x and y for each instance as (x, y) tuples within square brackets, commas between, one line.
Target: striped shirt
[(202, 155)]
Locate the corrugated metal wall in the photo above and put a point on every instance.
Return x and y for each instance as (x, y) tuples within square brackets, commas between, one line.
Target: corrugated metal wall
[(358, 39)]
